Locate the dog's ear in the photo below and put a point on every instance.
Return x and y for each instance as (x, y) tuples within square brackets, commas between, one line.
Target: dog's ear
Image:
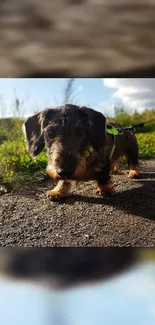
[(33, 129), (97, 125), (33, 136), (47, 116)]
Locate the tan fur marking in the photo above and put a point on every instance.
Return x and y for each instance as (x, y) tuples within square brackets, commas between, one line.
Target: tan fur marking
[(115, 167), (97, 169), (60, 191), (80, 169), (51, 172), (134, 172)]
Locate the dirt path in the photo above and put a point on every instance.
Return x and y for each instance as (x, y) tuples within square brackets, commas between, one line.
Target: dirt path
[(28, 218)]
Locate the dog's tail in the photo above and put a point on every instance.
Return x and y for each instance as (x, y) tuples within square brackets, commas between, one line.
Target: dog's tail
[(141, 125), (132, 128)]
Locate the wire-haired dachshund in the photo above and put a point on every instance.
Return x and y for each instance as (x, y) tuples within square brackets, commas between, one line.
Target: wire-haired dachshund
[(78, 147)]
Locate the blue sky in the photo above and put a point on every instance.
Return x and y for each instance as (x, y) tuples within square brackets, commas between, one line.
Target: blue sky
[(100, 94), (124, 300), (41, 93)]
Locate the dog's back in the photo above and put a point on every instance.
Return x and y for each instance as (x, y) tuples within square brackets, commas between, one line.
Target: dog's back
[(125, 145)]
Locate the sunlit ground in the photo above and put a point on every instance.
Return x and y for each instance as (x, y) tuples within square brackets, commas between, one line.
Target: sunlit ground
[(124, 300)]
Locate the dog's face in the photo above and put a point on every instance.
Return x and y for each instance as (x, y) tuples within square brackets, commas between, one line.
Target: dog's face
[(66, 131), (66, 138)]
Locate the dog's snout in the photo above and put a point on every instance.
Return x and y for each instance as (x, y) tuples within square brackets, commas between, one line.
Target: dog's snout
[(64, 173)]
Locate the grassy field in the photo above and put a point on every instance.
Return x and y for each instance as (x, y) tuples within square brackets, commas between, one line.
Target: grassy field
[(15, 161)]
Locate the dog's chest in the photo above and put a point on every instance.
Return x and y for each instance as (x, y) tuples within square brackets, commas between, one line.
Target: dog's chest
[(93, 163)]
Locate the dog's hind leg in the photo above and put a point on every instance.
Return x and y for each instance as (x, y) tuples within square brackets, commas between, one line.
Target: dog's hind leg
[(60, 191), (132, 158), (134, 170), (115, 167)]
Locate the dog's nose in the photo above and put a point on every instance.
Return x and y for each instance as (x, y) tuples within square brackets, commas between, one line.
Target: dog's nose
[(64, 173)]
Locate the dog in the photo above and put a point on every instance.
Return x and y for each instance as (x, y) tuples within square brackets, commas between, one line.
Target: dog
[(78, 147)]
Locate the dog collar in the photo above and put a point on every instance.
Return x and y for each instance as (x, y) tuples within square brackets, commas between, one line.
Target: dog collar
[(110, 130), (89, 151)]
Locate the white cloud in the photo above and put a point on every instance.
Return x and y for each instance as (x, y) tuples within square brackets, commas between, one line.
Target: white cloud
[(136, 93), (107, 108)]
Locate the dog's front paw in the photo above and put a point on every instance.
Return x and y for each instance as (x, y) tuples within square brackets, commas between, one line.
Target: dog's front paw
[(106, 190), (105, 193), (60, 191), (55, 195)]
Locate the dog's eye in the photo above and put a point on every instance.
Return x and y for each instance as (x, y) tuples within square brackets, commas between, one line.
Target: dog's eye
[(79, 132), (51, 133)]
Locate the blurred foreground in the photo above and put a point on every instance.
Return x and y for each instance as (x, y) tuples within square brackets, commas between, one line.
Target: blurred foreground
[(65, 267), (127, 298), (77, 38)]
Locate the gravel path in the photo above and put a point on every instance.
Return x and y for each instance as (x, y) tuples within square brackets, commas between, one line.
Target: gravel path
[(28, 218)]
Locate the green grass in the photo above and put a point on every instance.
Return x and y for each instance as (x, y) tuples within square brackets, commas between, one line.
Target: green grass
[(13, 156), (14, 160), (146, 143)]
